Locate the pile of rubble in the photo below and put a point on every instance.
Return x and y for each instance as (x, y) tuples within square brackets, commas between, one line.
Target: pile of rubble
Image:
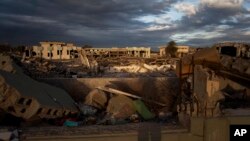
[(24, 97), (40, 68), (103, 105), (232, 63), (109, 106)]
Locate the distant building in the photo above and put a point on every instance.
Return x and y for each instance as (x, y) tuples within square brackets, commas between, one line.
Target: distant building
[(234, 49), (142, 52), (60, 50), (54, 50), (162, 51), (181, 51)]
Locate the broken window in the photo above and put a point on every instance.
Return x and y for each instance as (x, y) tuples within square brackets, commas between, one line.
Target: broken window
[(55, 112), (23, 110), (11, 109), (33, 53), (39, 111), (27, 53), (21, 101), (3, 62), (28, 102), (49, 111)]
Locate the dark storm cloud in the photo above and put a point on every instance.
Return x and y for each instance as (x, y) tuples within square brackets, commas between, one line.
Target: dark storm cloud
[(209, 18), (106, 23), (102, 23)]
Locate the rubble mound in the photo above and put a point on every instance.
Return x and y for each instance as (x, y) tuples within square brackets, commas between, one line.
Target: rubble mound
[(24, 97)]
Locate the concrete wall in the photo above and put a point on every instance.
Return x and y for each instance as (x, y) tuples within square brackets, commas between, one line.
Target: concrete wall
[(54, 50), (160, 89)]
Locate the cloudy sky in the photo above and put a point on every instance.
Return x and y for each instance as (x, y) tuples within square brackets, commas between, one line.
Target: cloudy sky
[(107, 23)]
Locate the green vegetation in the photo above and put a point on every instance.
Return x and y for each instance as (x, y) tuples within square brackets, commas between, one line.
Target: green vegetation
[(171, 49)]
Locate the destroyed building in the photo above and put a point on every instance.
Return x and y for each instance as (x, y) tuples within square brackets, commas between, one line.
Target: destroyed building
[(143, 52), (234, 49), (53, 50), (211, 85), (181, 51), (24, 97)]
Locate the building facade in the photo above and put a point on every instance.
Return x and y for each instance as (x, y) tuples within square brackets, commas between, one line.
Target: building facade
[(234, 49), (141, 52), (181, 51), (55, 50)]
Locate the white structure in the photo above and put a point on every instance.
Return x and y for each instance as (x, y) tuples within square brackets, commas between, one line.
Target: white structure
[(143, 52), (55, 50), (181, 50)]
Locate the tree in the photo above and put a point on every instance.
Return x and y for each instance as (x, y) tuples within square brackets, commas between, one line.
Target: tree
[(87, 46), (171, 49)]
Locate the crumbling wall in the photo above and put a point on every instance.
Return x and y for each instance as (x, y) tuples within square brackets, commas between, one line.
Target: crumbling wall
[(24, 97), (161, 89)]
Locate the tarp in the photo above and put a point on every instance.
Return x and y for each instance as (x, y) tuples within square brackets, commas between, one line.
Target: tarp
[(143, 110), (69, 123), (121, 107)]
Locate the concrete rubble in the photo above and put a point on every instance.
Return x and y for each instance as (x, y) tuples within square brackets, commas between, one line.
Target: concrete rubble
[(117, 106), (24, 97), (219, 83), (103, 105)]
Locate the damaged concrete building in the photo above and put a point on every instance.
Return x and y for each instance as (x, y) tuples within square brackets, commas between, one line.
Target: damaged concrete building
[(60, 50), (142, 52), (234, 49), (210, 87), (181, 51), (24, 97), (53, 50)]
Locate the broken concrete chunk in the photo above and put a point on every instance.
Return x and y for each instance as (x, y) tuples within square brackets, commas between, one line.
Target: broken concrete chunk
[(87, 110), (241, 65), (24, 97), (121, 107), (227, 61), (96, 98), (6, 63)]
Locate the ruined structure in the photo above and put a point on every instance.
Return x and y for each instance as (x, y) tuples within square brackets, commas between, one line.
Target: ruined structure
[(53, 50), (181, 51), (234, 49), (211, 85), (24, 97), (141, 52)]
